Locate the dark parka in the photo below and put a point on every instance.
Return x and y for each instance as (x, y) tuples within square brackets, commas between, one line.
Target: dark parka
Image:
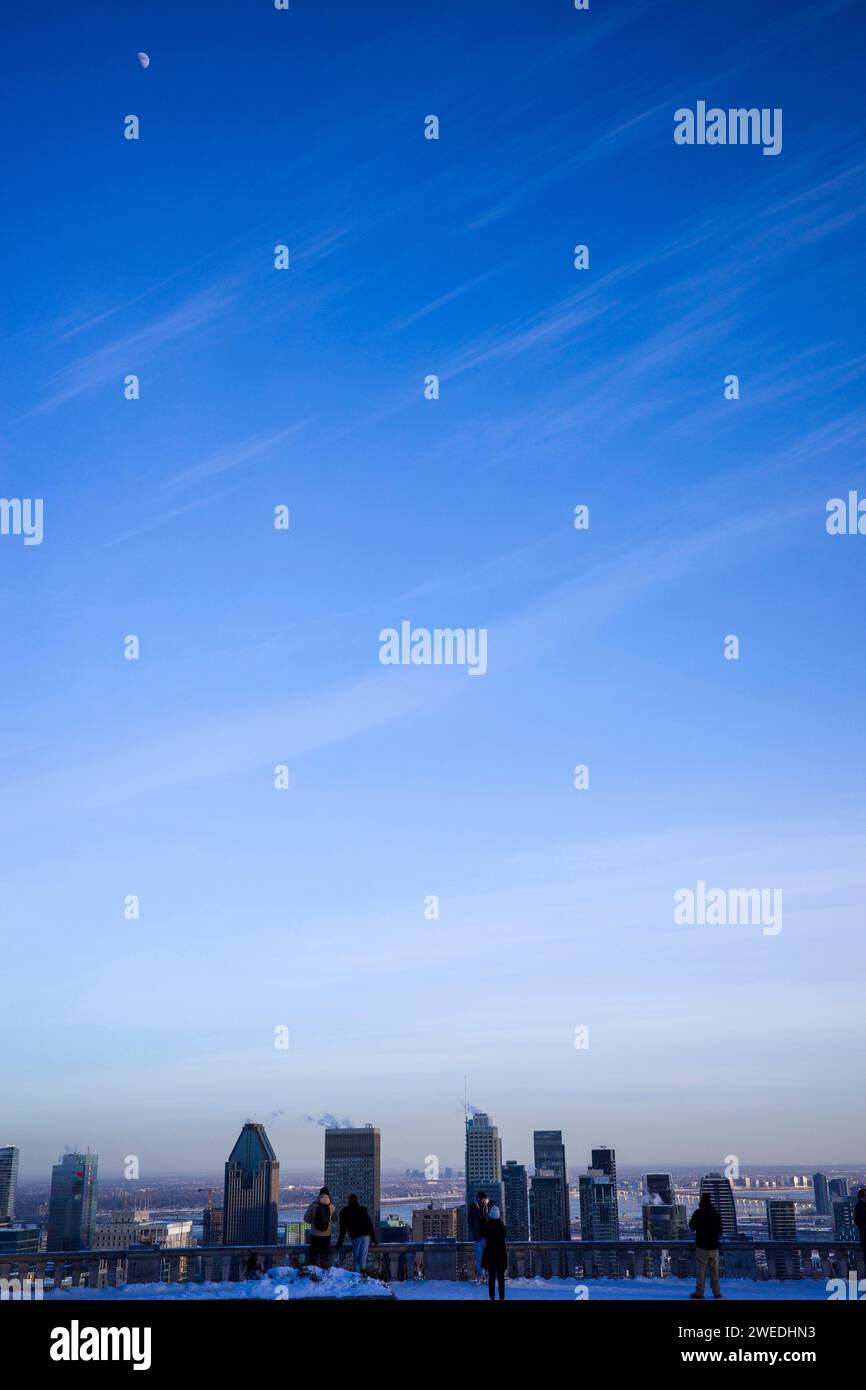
[(706, 1224), (476, 1221), (495, 1255), (355, 1221)]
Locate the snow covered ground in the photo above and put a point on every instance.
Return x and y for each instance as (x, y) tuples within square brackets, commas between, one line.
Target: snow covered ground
[(277, 1285), (288, 1284), (552, 1290)]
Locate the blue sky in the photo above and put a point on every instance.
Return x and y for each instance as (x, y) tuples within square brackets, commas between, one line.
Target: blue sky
[(258, 647)]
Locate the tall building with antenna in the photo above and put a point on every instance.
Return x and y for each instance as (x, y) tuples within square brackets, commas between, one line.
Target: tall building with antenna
[(483, 1159)]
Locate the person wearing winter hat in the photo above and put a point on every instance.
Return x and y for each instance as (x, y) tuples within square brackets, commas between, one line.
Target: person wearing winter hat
[(495, 1257), (320, 1216)]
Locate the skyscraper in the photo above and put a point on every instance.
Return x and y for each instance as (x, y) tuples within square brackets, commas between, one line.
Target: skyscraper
[(722, 1195), (660, 1186), (553, 1217), (662, 1222), (483, 1160), (599, 1217), (822, 1194), (72, 1204), (839, 1187), (516, 1193), (353, 1164), (663, 1217), (252, 1190), (212, 1229), (782, 1220), (604, 1162), (545, 1207), (843, 1218), (8, 1182), (17, 1240)]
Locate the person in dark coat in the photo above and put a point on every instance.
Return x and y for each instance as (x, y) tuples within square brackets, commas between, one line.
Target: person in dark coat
[(476, 1224), (355, 1222), (860, 1221), (707, 1226), (495, 1257)]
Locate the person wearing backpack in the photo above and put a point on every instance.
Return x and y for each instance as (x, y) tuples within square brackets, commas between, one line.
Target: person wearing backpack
[(320, 1215), (355, 1221)]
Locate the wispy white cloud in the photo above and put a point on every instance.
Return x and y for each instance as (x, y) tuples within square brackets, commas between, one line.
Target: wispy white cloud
[(231, 457), (230, 743), (128, 353), (457, 292), (221, 463)]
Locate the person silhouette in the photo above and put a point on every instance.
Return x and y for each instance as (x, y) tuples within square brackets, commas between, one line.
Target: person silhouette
[(707, 1226), (495, 1257), (476, 1222)]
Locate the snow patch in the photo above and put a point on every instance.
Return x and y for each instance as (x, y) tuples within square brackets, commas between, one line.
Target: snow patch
[(283, 1283)]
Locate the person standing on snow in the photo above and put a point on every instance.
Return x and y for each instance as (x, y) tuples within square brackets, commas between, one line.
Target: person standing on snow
[(321, 1215)]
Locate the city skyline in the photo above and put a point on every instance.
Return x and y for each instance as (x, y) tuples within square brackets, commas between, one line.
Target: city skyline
[(247, 867), (542, 1197), (396, 1166)]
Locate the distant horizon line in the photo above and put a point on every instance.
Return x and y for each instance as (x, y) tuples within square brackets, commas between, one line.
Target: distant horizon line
[(628, 1168)]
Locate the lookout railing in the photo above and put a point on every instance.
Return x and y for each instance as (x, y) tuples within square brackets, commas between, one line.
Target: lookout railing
[(438, 1259)]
